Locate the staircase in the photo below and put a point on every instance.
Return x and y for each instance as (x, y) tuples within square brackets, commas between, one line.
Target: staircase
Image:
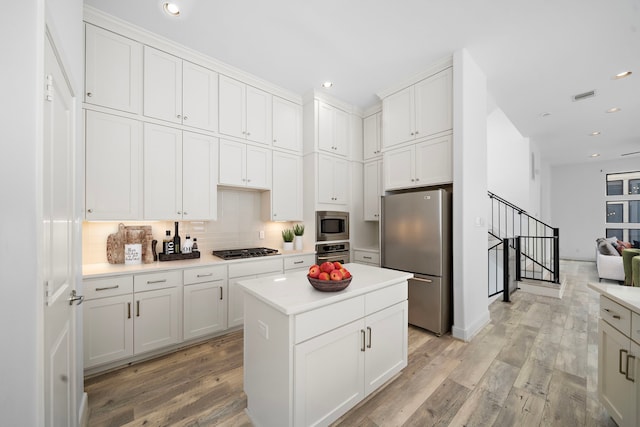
[(523, 252)]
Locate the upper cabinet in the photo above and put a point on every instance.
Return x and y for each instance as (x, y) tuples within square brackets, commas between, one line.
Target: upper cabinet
[(245, 111), (371, 136), (113, 70), (286, 191), (333, 129), (243, 165), (418, 111), (287, 125), (178, 91)]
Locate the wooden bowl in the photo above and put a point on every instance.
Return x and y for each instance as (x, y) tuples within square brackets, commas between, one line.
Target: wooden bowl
[(329, 285)]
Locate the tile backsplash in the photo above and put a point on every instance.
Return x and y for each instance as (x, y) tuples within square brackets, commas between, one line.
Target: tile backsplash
[(239, 224)]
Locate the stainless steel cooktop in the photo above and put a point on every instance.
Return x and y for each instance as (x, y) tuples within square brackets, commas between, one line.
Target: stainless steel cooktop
[(244, 253)]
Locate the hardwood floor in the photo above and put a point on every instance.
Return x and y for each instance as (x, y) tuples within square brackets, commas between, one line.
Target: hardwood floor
[(535, 364)]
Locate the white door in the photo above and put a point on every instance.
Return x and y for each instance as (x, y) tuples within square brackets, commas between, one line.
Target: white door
[(341, 132), (232, 107), (286, 189), (258, 119), (398, 123), (199, 178), (232, 163), (199, 97), (434, 111), (371, 191), (399, 168), (58, 247), (258, 167), (286, 124), (434, 161), (162, 85), (326, 127)]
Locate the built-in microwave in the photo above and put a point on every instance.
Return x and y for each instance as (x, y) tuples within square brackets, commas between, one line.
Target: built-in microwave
[(332, 225)]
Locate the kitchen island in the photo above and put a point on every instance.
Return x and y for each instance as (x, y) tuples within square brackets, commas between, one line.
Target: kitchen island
[(310, 356)]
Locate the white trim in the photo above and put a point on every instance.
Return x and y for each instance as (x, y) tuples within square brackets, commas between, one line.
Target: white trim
[(472, 330), (437, 66), (328, 99), (553, 291), (83, 413)]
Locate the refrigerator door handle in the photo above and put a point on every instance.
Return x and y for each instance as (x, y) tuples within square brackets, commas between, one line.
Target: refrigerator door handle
[(421, 280)]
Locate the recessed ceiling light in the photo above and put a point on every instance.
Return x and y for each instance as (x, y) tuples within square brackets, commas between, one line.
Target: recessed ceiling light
[(171, 9), (595, 155), (595, 133), (327, 84), (622, 75), (613, 110)]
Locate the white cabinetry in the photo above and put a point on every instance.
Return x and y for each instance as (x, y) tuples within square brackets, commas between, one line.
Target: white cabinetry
[(113, 70), (179, 174), (373, 189), (113, 174), (371, 136), (418, 111), (287, 125), (427, 163), (286, 188), (333, 180), (366, 257), (245, 111), (178, 91), (244, 165), (299, 262), (205, 301), (242, 271), (333, 129), (618, 362)]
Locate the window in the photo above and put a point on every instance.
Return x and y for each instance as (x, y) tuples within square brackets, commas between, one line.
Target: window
[(623, 206)]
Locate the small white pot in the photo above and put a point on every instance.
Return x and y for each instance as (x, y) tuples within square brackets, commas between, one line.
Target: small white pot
[(297, 243), (287, 246)]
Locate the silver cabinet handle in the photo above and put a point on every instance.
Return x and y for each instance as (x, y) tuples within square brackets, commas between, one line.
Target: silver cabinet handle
[(422, 280), (369, 330), (178, 116), (366, 257), (185, 213), (108, 287), (89, 94), (90, 210), (417, 132), (633, 358), (185, 117), (150, 282), (363, 338), (179, 212), (205, 275), (620, 352), (613, 314), (298, 262)]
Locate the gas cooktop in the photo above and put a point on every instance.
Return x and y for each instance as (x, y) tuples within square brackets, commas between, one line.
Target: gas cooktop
[(244, 253)]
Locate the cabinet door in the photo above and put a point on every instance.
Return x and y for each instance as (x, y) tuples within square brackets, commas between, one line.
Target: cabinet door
[(286, 190), (236, 302), (107, 329), (232, 107), (231, 163), (113, 66), (434, 161), (399, 168), (616, 393), (258, 168), (156, 319), (398, 124), (326, 127), (341, 181), (204, 309), (113, 174), (199, 177), (386, 345), (162, 85), (329, 375), (199, 97), (258, 111), (372, 190), (162, 172), (341, 132), (434, 104), (287, 126), (325, 179), (371, 136)]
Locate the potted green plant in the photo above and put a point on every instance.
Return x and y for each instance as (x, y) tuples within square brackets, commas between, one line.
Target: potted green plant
[(298, 230), (287, 236)]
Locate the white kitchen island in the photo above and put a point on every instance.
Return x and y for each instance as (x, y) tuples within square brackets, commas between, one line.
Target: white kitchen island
[(310, 356)]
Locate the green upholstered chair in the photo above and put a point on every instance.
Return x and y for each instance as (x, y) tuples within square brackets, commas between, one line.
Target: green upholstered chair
[(635, 271), (627, 256)]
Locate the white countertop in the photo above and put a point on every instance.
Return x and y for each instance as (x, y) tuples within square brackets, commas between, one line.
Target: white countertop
[(206, 259), (292, 293), (626, 296)]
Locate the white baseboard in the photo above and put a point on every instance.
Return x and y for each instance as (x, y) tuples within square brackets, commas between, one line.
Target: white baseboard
[(83, 415), (466, 334), (543, 289)]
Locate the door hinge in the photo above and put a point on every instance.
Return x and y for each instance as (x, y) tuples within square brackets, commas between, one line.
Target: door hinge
[(49, 88)]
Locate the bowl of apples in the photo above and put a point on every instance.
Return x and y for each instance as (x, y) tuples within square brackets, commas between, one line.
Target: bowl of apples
[(329, 277)]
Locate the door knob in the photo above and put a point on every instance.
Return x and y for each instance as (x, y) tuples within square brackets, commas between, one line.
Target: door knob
[(75, 297)]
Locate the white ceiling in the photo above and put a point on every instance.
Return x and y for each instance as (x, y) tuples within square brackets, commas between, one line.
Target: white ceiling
[(536, 54)]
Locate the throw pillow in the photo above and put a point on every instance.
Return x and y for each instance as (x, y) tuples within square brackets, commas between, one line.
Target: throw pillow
[(613, 240), (636, 244), (607, 248)]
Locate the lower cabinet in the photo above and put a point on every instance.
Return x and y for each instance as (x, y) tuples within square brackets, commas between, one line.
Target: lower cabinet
[(205, 301), (156, 322), (336, 370)]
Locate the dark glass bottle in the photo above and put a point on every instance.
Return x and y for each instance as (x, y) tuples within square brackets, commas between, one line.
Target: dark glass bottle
[(177, 245)]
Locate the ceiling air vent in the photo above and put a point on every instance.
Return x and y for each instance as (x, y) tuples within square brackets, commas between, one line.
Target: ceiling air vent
[(585, 95)]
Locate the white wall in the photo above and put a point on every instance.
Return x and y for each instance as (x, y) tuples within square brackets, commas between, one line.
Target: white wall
[(470, 267), (578, 205)]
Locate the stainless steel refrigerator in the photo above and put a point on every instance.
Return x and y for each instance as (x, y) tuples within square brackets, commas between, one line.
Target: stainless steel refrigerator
[(416, 237)]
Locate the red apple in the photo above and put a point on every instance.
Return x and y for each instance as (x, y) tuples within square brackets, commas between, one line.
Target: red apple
[(336, 275), (314, 271), (345, 273), (327, 267), (337, 265), (323, 276)]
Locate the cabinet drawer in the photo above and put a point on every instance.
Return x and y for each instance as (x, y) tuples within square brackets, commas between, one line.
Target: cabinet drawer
[(366, 257), (615, 315), (166, 279), (386, 297), (635, 327), (107, 287), (324, 319), (204, 274), (302, 261), (273, 265)]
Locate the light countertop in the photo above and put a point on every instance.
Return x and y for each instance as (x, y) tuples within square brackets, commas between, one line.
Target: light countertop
[(292, 293), (627, 296), (206, 259)]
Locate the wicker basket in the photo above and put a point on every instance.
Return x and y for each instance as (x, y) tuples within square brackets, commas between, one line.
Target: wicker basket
[(329, 285)]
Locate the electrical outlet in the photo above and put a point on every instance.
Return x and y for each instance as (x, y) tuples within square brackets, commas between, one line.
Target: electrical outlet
[(261, 234)]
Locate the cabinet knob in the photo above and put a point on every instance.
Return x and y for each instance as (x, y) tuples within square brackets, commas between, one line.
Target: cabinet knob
[(412, 133), (178, 116), (417, 132), (248, 133), (275, 140), (179, 213), (413, 180), (185, 213), (89, 94), (185, 117), (90, 210), (417, 179), (248, 180)]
